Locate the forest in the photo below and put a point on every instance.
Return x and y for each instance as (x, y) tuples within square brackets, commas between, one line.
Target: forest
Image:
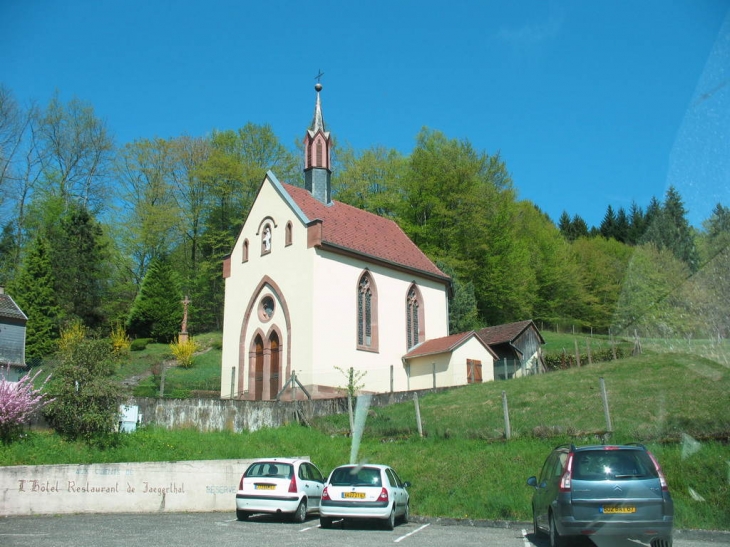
[(99, 233)]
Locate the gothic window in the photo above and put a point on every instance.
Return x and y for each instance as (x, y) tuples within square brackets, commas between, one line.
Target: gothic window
[(266, 240), (320, 163), (367, 314), (288, 237), (245, 250), (414, 317)]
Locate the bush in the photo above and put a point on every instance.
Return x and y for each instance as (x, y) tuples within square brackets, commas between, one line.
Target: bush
[(120, 341), (86, 397), (183, 351), (18, 401), (139, 344)]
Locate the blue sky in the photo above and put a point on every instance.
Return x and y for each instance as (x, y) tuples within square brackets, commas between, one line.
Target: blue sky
[(588, 103)]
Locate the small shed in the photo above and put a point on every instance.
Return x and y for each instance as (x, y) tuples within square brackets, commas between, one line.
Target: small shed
[(518, 347), (12, 338), (453, 360)]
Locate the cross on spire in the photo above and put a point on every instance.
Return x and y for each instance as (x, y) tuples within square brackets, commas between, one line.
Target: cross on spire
[(318, 77)]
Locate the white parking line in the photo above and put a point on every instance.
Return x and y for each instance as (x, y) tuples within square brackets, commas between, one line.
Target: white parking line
[(524, 537), (411, 533), (309, 528)]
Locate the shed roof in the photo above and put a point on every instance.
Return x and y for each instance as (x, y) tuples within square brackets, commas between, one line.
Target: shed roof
[(507, 333), (445, 344), (9, 309)]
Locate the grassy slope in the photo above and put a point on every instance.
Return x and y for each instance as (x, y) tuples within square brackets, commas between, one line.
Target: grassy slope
[(464, 468)]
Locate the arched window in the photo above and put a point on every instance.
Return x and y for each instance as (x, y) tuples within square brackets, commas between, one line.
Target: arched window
[(245, 251), (266, 240), (414, 317), (288, 236), (367, 313), (320, 163)]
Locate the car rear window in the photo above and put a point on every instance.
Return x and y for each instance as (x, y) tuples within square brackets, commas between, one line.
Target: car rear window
[(356, 476), (613, 465), (270, 469)]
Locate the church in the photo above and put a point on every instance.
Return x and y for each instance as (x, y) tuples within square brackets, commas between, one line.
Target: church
[(314, 287)]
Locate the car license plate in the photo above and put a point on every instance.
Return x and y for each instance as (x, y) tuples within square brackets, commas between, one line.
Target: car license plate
[(354, 495), (618, 509), (265, 487)]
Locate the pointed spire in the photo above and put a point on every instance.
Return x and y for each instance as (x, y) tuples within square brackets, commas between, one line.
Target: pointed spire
[(317, 159), (318, 120)]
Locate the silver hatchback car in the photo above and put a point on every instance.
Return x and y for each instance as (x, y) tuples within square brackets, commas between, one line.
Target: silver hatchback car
[(602, 490)]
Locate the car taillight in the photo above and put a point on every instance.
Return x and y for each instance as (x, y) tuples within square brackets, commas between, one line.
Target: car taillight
[(293, 484), (383, 495), (567, 475), (325, 494), (662, 478)]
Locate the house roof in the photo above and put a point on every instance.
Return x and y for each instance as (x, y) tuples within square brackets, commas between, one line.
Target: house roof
[(507, 333), (9, 309), (445, 344), (351, 229)]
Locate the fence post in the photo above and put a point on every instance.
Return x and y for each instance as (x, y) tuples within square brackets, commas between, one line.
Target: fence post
[(434, 375), (418, 415), (577, 353), (505, 369), (590, 355), (505, 408), (604, 396), (162, 379), (233, 380)]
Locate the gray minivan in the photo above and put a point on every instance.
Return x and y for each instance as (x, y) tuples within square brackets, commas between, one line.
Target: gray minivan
[(602, 490)]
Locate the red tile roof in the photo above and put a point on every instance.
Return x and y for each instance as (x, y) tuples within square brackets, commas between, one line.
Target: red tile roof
[(364, 233), (506, 333), (443, 345)]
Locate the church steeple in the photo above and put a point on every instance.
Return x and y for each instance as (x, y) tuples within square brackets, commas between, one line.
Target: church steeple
[(317, 166)]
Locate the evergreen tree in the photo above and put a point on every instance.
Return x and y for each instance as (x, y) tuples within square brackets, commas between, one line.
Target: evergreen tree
[(463, 311), (621, 229), (637, 224), (579, 227), (679, 236), (157, 311), (608, 224), (33, 291), (566, 226), (668, 228), (78, 255)]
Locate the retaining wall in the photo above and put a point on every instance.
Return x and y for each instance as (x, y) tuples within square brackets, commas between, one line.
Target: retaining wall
[(194, 486), (235, 415)]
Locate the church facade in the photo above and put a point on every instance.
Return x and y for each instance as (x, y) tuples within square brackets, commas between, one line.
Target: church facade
[(314, 287)]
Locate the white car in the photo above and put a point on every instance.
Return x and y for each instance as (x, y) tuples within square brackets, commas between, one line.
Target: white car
[(280, 486), (364, 492)]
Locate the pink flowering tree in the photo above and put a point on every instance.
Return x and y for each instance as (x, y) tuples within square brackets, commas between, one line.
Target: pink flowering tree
[(18, 401)]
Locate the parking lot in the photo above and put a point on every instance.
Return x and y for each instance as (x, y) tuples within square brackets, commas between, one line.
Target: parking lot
[(223, 530)]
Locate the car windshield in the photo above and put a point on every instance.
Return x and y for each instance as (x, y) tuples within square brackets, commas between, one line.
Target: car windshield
[(270, 469), (613, 465), (354, 476)]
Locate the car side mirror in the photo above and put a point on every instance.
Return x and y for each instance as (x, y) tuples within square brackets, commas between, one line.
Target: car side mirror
[(532, 481), (406, 484)]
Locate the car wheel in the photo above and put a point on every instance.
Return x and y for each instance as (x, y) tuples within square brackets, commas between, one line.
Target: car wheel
[(556, 540), (300, 515), (325, 522), (661, 543), (406, 514), (390, 521), (242, 515)]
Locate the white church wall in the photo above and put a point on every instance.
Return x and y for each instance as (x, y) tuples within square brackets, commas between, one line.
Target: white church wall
[(288, 267), (335, 287)]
